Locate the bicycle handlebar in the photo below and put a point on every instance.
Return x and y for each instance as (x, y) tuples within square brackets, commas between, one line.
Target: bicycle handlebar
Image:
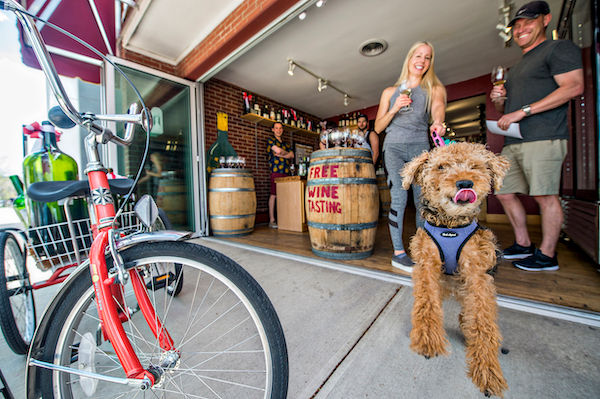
[(85, 120)]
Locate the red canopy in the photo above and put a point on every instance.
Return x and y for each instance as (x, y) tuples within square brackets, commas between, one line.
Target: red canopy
[(76, 17)]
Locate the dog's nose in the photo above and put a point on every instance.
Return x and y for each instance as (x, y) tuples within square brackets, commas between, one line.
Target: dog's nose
[(464, 184)]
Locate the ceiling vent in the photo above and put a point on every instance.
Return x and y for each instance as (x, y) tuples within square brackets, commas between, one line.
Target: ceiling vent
[(373, 47)]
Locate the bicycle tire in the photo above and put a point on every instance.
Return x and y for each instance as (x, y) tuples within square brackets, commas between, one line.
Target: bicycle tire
[(260, 366), (17, 306)]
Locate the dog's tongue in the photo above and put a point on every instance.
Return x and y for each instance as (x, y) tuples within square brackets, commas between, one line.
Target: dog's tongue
[(465, 195)]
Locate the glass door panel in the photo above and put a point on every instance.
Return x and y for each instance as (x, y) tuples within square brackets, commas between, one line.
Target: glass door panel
[(169, 168)]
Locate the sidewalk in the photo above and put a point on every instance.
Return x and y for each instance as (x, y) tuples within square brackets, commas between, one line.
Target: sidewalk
[(347, 337)]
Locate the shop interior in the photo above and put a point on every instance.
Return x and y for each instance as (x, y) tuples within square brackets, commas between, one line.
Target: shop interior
[(287, 70)]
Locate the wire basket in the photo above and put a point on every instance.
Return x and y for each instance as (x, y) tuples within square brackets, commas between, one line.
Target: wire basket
[(52, 245)]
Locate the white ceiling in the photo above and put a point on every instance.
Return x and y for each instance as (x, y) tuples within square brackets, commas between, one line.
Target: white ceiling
[(463, 33), (168, 30)]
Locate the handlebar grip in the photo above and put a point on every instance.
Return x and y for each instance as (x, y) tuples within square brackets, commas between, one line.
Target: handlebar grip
[(130, 126)]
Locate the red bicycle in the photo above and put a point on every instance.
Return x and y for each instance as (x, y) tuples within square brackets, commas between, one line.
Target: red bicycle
[(148, 311)]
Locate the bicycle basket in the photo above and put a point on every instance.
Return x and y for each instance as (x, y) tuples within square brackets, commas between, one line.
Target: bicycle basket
[(54, 246)]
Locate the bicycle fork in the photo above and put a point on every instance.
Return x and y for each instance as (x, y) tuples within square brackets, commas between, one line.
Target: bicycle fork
[(111, 321)]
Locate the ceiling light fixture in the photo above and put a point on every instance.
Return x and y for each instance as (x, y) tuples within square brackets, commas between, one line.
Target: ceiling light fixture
[(504, 9), (302, 15), (322, 85), (320, 3), (322, 82)]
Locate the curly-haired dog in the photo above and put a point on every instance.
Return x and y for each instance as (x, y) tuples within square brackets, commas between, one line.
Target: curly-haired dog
[(455, 179)]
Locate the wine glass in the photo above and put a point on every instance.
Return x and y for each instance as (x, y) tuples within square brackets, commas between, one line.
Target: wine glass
[(498, 78), (324, 138), (407, 91)]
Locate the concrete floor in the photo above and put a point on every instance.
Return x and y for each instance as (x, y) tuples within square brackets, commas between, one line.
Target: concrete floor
[(347, 337)]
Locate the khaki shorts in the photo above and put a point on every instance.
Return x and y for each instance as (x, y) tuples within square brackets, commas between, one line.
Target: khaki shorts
[(535, 167)]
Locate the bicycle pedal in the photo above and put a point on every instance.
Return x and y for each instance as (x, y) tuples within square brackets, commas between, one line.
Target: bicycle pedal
[(160, 282)]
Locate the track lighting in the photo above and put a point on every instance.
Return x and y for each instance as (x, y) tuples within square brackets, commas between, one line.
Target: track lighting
[(320, 3), (322, 85), (302, 16), (322, 82)]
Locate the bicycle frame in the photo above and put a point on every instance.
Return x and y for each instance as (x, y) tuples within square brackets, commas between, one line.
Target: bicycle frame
[(108, 286)]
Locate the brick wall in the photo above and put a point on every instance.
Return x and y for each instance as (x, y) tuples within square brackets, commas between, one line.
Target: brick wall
[(248, 139)]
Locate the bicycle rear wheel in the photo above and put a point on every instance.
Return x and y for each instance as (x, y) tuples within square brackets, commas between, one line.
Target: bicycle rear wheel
[(228, 335), (17, 308)]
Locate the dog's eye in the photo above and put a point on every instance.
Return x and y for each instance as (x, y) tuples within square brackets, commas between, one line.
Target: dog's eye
[(441, 167)]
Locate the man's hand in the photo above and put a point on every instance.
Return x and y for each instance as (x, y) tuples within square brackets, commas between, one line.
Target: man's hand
[(498, 94), (513, 117)]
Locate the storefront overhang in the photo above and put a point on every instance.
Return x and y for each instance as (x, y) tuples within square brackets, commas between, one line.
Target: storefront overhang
[(198, 38), (92, 21)]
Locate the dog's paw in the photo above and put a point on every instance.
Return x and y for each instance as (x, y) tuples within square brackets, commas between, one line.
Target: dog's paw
[(491, 383)]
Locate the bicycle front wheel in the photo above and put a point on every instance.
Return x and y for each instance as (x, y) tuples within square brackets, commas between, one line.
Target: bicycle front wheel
[(17, 307), (229, 340)]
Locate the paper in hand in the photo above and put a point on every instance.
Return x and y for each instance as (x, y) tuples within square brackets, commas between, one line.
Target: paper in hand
[(512, 131)]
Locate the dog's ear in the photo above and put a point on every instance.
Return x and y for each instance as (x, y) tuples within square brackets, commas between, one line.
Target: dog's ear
[(412, 170), (498, 165)]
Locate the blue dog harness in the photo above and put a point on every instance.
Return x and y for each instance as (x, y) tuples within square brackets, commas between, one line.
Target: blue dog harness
[(450, 242)]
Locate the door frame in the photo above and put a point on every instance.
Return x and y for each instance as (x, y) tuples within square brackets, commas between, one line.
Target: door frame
[(196, 132)]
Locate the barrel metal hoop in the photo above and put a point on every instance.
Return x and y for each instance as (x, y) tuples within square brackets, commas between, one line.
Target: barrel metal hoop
[(231, 216), (231, 175), (238, 231), (348, 226), (229, 190), (340, 160), (342, 255), (341, 152), (341, 180)]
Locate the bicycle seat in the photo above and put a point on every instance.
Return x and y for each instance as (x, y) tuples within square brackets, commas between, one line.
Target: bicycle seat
[(50, 191)]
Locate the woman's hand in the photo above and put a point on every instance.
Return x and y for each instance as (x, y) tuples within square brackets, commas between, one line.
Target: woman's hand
[(402, 101), (437, 127)]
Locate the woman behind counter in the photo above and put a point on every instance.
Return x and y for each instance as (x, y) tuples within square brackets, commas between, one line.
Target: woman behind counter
[(405, 118)]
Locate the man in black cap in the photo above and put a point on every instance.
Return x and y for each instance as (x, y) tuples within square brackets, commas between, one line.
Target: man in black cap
[(536, 95)]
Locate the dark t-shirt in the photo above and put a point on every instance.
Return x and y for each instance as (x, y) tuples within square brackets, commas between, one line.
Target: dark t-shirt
[(531, 80)]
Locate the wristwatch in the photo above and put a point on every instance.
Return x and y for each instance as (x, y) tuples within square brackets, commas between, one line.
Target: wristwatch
[(526, 109)]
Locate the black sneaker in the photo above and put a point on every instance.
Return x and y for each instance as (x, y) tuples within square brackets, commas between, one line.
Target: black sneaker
[(403, 262), (537, 262), (517, 251)]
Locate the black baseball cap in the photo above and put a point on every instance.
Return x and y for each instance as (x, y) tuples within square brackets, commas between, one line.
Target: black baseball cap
[(530, 11)]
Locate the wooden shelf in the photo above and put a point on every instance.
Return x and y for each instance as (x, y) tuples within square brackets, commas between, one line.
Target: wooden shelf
[(254, 118)]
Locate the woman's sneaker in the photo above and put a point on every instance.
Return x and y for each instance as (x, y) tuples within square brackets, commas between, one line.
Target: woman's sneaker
[(403, 262), (537, 262), (517, 251)]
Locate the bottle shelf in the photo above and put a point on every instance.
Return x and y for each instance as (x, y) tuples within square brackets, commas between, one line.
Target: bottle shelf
[(255, 118)]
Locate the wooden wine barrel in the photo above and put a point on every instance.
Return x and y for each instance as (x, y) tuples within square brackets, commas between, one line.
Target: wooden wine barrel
[(385, 198), (171, 197), (231, 202), (342, 203)]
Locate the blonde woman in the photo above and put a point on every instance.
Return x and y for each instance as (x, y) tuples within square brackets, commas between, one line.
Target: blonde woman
[(405, 112)]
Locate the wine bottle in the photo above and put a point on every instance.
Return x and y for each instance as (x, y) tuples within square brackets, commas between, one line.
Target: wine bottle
[(265, 112), (272, 114), (246, 102)]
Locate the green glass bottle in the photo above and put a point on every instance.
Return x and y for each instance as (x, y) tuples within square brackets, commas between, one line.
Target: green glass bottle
[(49, 163), (221, 147), (19, 202)]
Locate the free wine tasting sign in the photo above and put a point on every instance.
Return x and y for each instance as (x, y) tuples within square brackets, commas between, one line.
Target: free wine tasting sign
[(325, 198)]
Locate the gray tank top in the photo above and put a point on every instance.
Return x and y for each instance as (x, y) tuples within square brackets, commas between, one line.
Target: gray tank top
[(409, 127)]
